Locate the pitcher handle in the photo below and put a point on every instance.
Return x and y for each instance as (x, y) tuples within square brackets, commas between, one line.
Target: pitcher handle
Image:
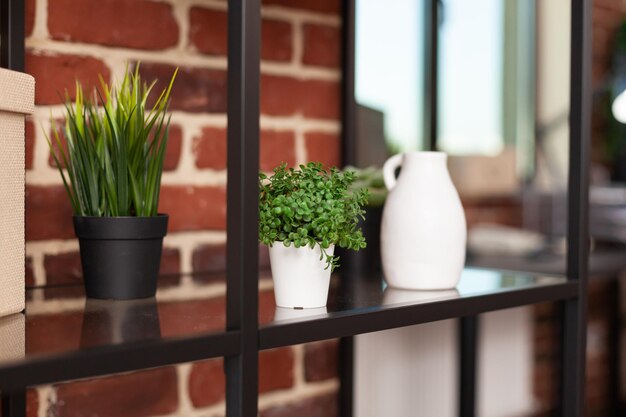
[(389, 170)]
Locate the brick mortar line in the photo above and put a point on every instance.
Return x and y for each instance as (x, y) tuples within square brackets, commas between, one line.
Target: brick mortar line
[(117, 66), (43, 111), (195, 176), (40, 25), (186, 173), (276, 398), (298, 366), (39, 270), (215, 410), (184, 402), (300, 71), (180, 11), (297, 121), (41, 152), (189, 119), (284, 13), (197, 236), (297, 42), (173, 56), (297, 393), (51, 246), (47, 396), (199, 120), (187, 243), (300, 142), (300, 147), (49, 176), (274, 12)]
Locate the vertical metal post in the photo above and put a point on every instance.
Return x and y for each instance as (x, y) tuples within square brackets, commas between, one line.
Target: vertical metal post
[(468, 351), (12, 34), (348, 125), (572, 398), (346, 376), (431, 63), (14, 403), (244, 33), (348, 157), (615, 357)]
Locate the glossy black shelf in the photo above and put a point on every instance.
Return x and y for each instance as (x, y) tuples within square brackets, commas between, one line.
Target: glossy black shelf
[(41, 369), (67, 336), (362, 305), (64, 336)]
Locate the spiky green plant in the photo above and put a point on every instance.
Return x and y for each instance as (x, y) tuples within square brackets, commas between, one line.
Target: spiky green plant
[(115, 148)]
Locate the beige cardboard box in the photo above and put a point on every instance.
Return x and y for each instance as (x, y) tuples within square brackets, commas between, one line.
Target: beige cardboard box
[(12, 337), (17, 93)]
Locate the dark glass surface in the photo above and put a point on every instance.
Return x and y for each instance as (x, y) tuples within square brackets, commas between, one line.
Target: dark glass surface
[(62, 321), (351, 295)]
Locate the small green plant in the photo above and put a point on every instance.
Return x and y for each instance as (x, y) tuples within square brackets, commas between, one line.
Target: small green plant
[(115, 148), (310, 205)]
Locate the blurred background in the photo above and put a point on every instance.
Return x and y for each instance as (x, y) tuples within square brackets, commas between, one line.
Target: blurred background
[(502, 82), (500, 77)]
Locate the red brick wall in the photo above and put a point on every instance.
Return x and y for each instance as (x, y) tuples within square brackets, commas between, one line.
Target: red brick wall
[(300, 106)]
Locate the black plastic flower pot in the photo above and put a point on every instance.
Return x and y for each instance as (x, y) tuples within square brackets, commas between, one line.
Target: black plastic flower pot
[(120, 256)]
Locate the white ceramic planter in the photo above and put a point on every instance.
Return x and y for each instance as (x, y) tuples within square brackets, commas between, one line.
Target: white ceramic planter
[(423, 231), (300, 280)]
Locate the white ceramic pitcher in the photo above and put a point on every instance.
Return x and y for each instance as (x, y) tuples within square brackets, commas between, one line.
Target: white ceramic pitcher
[(423, 230)]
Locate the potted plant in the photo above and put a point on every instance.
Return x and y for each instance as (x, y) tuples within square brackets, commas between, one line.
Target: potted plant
[(303, 214), (111, 168)]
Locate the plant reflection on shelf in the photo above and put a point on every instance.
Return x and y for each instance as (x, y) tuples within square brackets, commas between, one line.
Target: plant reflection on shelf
[(108, 322)]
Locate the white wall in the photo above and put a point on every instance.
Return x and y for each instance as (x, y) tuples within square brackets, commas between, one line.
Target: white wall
[(413, 371), (553, 61)]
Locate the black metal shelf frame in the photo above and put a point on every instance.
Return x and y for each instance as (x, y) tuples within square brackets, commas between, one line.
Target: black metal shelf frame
[(243, 339), (115, 359), (359, 321)]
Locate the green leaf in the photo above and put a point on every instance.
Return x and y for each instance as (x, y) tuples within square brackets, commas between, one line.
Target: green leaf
[(115, 148), (311, 205)]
